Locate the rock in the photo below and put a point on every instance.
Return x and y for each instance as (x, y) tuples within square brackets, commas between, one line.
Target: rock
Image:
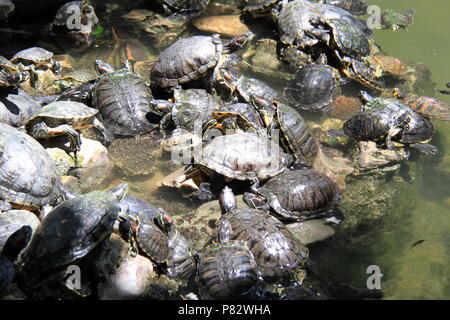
[(130, 280), (227, 25), (371, 157), (311, 231), (94, 162), (335, 167)]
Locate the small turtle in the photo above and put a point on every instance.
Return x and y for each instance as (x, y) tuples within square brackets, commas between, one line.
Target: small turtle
[(65, 118), (78, 224), (192, 58), (276, 250), (300, 195), (227, 269), (235, 116), (75, 79), (396, 20), (312, 87), (425, 106), (16, 108), (242, 156), (28, 175), (13, 246), (123, 100), (390, 120)]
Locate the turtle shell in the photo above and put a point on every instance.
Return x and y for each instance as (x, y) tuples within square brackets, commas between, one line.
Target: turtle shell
[(77, 114), (7, 65), (185, 5), (356, 7), (303, 193), (186, 60), (259, 6), (80, 76), (243, 156), (275, 249), (312, 87), (418, 130), (181, 263), (71, 230), (242, 111), (34, 55), (298, 137), (123, 101), (248, 87), (16, 108), (227, 270), (28, 176), (13, 220), (428, 106)]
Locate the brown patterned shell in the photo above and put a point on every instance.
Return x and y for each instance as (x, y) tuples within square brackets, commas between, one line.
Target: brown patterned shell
[(276, 250), (186, 60), (428, 106)]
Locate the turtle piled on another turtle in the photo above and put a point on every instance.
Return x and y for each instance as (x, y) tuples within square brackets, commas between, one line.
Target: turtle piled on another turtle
[(16, 108), (192, 59), (226, 269), (28, 175), (65, 118), (123, 100), (11, 75), (391, 121)]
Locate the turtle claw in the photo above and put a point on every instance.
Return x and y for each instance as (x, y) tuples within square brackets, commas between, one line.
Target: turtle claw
[(425, 148)]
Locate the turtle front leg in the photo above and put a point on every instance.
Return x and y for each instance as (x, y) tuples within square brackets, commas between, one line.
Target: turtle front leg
[(74, 138), (107, 136), (425, 148)]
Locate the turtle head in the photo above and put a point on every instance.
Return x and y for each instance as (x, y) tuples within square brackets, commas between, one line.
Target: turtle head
[(164, 221), (224, 230), (161, 107), (120, 191), (238, 42), (227, 200), (102, 67), (17, 242)]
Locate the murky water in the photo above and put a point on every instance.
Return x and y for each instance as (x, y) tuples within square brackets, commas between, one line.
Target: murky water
[(421, 208)]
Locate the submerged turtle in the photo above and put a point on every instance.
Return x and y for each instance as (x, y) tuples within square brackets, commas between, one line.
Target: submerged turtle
[(390, 120), (123, 100), (28, 176), (425, 106), (396, 20), (13, 246), (276, 250), (65, 117), (299, 195), (192, 58), (78, 224), (242, 156), (226, 269), (312, 87)]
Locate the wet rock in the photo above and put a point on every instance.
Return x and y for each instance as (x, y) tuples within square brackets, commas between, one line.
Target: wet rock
[(336, 167), (227, 25), (130, 280), (311, 231), (95, 166), (371, 157), (265, 61)]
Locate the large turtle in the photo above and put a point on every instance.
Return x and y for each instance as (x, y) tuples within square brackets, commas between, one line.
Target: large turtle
[(28, 176), (226, 269), (276, 250), (192, 58), (123, 100)]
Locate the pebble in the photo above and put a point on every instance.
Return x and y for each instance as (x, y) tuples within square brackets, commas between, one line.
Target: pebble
[(228, 26)]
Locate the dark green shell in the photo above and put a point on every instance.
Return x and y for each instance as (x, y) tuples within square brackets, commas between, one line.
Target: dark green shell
[(276, 250), (28, 176), (297, 136), (304, 193), (123, 101), (71, 230), (227, 270), (349, 39)]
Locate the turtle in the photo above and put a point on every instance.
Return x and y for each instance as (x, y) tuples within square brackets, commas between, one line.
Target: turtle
[(28, 175), (65, 118), (181, 264), (296, 137), (146, 232), (36, 58), (70, 36), (15, 243), (13, 220), (75, 79), (242, 156), (299, 195), (425, 106), (16, 108), (312, 87), (396, 20), (123, 100), (276, 250), (192, 58), (226, 269), (390, 120), (259, 8), (79, 225), (183, 5), (11, 75)]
